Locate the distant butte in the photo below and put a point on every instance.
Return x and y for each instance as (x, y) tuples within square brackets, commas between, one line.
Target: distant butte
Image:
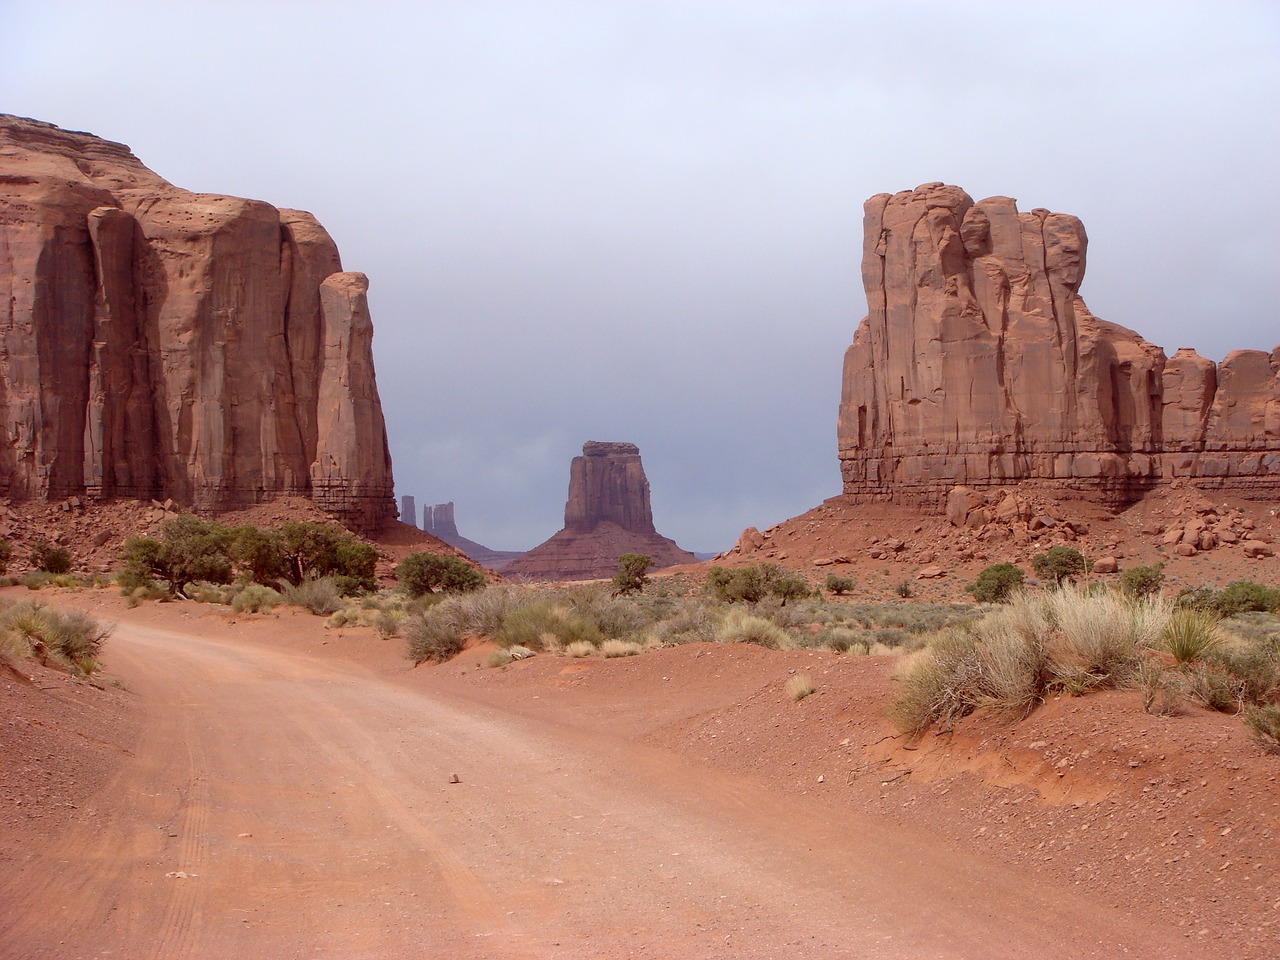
[(607, 514), (980, 365)]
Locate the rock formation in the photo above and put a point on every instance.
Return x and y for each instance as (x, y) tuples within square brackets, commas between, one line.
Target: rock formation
[(159, 343), (409, 511), (442, 523), (980, 365), (607, 514)]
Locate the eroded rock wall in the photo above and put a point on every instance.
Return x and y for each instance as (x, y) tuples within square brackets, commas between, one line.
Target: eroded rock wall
[(158, 343), (979, 364)]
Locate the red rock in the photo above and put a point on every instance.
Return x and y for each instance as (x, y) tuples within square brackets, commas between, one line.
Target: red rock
[(1105, 565), (979, 365), (207, 349), (607, 514), (1185, 550), (930, 573), (1256, 548)]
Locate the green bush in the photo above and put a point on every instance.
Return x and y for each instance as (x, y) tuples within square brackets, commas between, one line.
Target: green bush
[(1059, 565), (316, 550), (1139, 582), (190, 549), (739, 626), (542, 625), (423, 573), (1244, 596), (905, 590), (50, 557), (631, 576), (70, 639), (259, 554), (838, 586), (754, 582), (255, 598), (997, 583), (1191, 634)]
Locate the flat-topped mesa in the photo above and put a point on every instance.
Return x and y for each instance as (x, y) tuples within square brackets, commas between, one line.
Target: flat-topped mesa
[(980, 365), (167, 344), (608, 513)]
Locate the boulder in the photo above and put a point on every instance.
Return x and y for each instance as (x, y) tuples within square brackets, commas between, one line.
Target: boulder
[(1106, 565), (930, 573), (1255, 549)]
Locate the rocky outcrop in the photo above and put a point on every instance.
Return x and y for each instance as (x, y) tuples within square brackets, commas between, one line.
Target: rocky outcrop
[(409, 511), (608, 513), (980, 365), (158, 343), (438, 520)]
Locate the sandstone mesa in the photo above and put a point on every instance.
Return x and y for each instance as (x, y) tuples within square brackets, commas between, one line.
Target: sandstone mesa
[(608, 513), (163, 344), (980, 365)]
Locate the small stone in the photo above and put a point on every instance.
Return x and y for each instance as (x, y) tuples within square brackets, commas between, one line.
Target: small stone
[(454, 778)]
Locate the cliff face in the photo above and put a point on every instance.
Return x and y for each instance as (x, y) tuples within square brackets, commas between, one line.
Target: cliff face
[(158, 343), (607, 514), (979, 364)]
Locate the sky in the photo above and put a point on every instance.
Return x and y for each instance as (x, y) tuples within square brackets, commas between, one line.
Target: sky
[(641, 221)]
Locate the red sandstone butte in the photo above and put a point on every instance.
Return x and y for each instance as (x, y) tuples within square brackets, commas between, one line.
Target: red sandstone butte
[(607, 514), (979, 364), (160, 344)]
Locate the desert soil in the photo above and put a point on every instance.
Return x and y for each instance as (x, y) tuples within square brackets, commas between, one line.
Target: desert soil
[(258, 786)]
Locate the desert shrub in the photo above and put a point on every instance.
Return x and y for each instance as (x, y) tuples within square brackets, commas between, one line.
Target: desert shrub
[(996, 583), (579, 648), (838, 585), (894, 637), (739, 626), (1067, 640), (259, 554), (387, 623), (189, 550), (1099, 636), (320, 596), (754, 582), (208, 593), (799, 686), (544, 625), (421, 573), (631, 576), (615, 617), (499, 658), (67, 639), (352, 615), (50, 557), (255, 598), (905, 590), (619, 648), (430, 636), (313, 551), (1198, 598), (1191, 634), (1264, 722), (1162, 690), (837, 639), (1244, 596), (1059, 565), (692, 621), (1139, 582)]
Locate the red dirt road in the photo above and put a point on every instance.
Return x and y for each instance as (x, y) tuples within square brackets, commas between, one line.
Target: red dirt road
[(280, 805)]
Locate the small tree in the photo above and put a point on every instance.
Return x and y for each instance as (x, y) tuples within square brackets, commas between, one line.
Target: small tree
[(315, 550), (838, 586), (1140, 582), (997, 583), (423, 573), (259, 554), (790, 586), (50, 557), (1059, 564), (632, 573), (1243, 596), (190, 549)]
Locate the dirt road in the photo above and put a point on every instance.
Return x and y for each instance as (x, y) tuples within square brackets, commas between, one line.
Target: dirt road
[(280, 805)]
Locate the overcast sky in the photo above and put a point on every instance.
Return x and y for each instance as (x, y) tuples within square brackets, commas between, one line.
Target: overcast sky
[(641, 221)]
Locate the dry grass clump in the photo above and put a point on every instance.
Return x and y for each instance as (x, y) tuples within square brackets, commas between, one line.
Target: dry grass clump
[(255, 598), (70, 640), (1191, 633), (692, 620), (741, 626), (620, 648), (799, 687), (1264, 722), (580, 648), (320, 596), (1066, 640)]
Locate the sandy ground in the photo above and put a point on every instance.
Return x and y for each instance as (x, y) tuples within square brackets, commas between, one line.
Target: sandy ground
[(260, 787)]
